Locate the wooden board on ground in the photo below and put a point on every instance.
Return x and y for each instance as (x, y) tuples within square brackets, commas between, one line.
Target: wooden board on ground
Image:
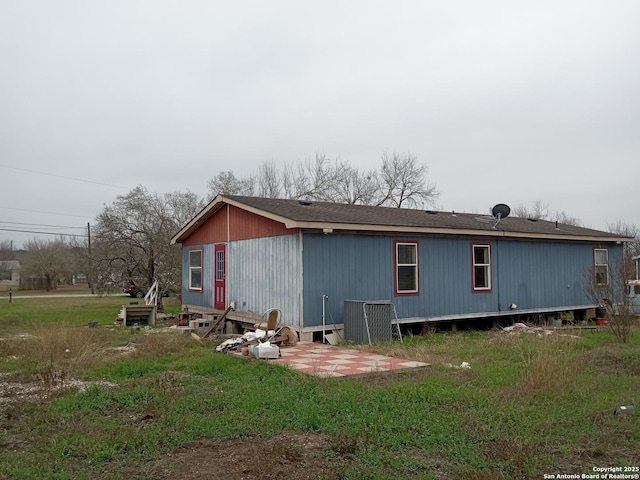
[(218, 322)]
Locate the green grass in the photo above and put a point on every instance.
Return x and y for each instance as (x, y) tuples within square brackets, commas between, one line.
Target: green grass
[(70, 310), (529, 405)]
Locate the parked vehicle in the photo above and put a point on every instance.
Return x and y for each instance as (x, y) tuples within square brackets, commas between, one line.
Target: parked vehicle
[(133, 290)]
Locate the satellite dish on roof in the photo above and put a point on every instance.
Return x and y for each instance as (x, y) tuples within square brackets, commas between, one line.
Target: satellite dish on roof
[(500, 211)]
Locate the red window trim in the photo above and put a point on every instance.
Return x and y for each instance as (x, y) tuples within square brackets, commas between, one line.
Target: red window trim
[(201, 250), (395, 268), (474, 289)]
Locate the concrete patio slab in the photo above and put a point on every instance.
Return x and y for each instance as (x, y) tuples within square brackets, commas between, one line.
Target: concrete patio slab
[(335, 361)]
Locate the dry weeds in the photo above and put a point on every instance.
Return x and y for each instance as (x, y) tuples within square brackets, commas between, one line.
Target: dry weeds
[(547, 362), (157, 344)]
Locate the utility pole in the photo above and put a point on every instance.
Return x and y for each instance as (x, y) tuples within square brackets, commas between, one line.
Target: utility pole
[(90, 259)]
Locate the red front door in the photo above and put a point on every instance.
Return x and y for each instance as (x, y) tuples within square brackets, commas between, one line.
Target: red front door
[(219, 284)]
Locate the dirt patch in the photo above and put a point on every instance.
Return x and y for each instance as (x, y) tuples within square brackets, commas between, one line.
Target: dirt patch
[(16, 390), (293, 456)]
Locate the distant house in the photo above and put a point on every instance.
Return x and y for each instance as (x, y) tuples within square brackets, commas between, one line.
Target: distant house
[(302, 256), (636, 262), (9, 275)]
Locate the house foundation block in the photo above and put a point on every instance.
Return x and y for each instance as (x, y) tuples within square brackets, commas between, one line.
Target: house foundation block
[(306, 336), (200, 323)]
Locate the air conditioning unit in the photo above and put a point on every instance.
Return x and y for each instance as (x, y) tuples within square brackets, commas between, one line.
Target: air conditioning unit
[(368, 321)]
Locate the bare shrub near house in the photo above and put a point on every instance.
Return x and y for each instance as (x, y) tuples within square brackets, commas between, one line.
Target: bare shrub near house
[(607, 287)]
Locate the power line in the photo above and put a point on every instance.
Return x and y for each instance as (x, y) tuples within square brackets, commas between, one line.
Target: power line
[(62, 176), (40, 225), (43, 233), (49, 213)]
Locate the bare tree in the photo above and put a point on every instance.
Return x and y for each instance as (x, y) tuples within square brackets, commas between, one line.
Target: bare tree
[(268, 180), (631, 249), (312, 179), (48, 259), (79, 262), (400, 181), (607, 287), (403, 180), (628, 230), (6, 253), (565, 218), (132, 238), (354, 186), (537, 211), (226, 183), (540, 210)]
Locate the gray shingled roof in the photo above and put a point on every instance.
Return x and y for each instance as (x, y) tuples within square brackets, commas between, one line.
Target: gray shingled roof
[(326, 212), (301, 214)]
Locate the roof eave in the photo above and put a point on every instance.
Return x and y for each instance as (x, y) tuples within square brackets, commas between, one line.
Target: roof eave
[(204, 214), (219, 201), (450, 231), (216, 204)]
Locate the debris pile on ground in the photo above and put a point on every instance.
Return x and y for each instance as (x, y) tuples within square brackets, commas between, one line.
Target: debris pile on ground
[(521, 327), (463, 365), (624, 410), (243, 341), (260, 343)]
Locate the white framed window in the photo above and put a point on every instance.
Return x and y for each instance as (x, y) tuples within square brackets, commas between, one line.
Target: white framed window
[(406, 268), (601, 266), (195, 269), (481, 267)]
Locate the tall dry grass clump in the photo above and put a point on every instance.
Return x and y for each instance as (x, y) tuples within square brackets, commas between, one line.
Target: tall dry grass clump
[(53, 354), (66, 348), (548, 362), (157, 344)]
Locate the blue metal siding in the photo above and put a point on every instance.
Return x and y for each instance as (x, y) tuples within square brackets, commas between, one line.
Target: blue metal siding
[(530, 274), (264, 273), (205, 297), (447, 289), (545, 274), (344, 267)]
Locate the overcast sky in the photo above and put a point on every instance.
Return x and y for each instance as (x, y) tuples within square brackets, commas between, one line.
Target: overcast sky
[(507, 102)]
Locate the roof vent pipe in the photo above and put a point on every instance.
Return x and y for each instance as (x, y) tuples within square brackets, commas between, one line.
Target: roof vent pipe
[(557, 225)]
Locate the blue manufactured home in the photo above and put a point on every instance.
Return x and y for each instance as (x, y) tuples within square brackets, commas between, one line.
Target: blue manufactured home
[(259, 253)]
